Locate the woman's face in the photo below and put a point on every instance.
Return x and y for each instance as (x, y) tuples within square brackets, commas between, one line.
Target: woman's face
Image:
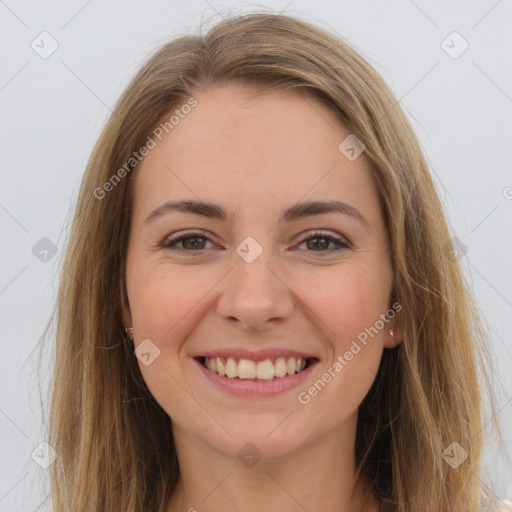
[(266, 276)]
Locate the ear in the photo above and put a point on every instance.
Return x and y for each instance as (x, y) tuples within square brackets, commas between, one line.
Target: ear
[(391, 341)]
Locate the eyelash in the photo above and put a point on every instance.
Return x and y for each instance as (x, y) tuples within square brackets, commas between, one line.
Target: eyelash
[(170, 243)]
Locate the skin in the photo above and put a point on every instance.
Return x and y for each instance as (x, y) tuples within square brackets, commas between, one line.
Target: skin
[(255, 155)]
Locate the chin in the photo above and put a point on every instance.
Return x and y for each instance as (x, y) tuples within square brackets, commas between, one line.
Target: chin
[(261, 437)]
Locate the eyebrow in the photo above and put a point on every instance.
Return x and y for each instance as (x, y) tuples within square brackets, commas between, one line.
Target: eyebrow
[(295, 212)]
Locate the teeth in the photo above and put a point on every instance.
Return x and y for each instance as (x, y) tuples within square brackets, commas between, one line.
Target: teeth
[(280, 367), (290, 366), (220, 367), (265, 370), (248, 369), (231, 368)]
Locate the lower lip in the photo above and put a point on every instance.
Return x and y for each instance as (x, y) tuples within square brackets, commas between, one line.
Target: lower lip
[(257, 388)]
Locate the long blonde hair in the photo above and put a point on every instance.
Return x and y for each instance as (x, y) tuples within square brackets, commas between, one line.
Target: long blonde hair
[(114, 442)]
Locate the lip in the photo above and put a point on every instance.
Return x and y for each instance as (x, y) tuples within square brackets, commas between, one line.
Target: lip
[(247, 388), (257, 355)]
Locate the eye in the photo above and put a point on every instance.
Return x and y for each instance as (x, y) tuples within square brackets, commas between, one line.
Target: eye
[(322, 242), (191, 242)]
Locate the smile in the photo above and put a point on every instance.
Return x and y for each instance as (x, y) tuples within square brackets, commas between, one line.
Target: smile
[(248, 369), (259, 375)]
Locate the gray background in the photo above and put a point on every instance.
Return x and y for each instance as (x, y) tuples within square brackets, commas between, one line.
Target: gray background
[(52, 111)]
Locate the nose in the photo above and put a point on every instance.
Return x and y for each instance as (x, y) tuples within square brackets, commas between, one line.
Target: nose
[(254, 296)]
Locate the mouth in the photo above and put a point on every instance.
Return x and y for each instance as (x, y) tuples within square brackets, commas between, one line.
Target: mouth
[(266, 370), (242, 377)]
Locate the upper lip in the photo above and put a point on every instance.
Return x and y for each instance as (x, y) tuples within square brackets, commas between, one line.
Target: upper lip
[(254, 355)]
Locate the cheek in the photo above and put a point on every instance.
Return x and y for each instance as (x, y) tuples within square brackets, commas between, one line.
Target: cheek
[(162, 296), (347, 301), (166, 303), (349, 305)]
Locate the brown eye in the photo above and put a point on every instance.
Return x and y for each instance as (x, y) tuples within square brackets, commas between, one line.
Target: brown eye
[(319, 242), (313, 243), (191, 242)]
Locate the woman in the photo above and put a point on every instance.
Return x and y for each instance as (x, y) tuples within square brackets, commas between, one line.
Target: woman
[(261, 307)]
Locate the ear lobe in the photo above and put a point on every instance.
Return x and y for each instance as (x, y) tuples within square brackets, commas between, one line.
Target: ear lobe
[(393, 334)]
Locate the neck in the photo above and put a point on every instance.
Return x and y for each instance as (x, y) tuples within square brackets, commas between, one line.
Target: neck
[(316, 476)]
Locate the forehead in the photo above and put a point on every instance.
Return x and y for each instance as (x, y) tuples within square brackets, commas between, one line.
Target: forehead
[(279, 146)]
